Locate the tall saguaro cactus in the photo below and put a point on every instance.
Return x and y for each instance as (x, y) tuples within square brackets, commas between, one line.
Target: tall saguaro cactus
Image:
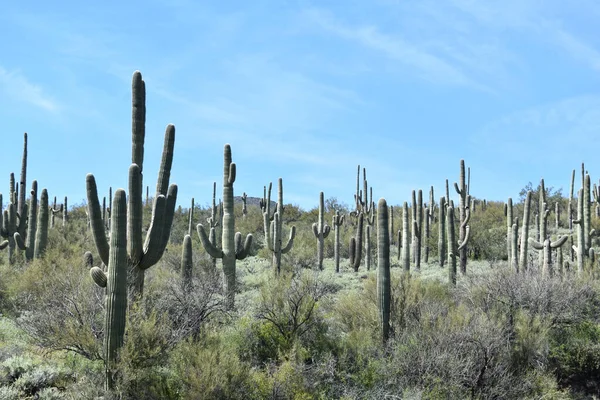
[(231, 242), (141, 254), (115, 282), (545, 248), (363, 210), (384, 287), (274, 229), (454, 247), (464, 214), (337, 222), (321, 231), (442, 242), (525, 232), (508, 213), (405, 238), (28, 244)]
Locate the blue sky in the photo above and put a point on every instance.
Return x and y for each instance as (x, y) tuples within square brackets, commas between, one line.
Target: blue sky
[(305, 91)]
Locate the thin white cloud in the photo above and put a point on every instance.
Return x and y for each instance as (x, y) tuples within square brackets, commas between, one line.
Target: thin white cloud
[(428, 65), (16, 86)]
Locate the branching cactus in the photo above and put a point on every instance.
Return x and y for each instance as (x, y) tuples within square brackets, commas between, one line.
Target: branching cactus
[(464, 214), (53, 211), (141, 254), (454, 247), (525, 232), (363, 209), (384, 289), (28, 243), (337, 222), (231, 242), (321, 231), (115, 282), (274, 228), (546, 249), (442, 242)]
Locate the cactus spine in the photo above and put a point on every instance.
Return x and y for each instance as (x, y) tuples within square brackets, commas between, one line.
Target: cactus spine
[(383, 269), (141, 255), (464, 214), (337, 222), (231, 242), (321, 231)]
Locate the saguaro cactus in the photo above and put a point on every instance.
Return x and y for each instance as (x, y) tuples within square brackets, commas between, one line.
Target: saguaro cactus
[(244, 205), (546, 249), (213, 222), (141, 255), (405, 238), (186, 263), (337, 222), (442, 242), (321, 231), (525, 232), (363, 209), (115, 282), (28, 244), (508, 213), (464, 214), (384, 289), (231, 241), (514, 246), (273, 228)]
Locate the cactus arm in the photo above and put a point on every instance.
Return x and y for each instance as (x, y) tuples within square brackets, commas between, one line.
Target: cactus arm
[(3, 244), (290, 242), (154, 236), (19, 241), (98, 276), (169, 215), (467, 236), (164, 172), (315, 229), (457, 189), (326, 231), (242, 252), (559, 242), (97, 224), (211, 249), (535, 244)]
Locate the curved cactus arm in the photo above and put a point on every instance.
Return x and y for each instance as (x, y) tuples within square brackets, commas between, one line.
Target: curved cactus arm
[(3, 245), (457, 189), (164, 171), (559, 242), (154, 236), (315, 229), (269, 228), (290, 242), (535, 244), (326, 230), (88, 259), (232, 172), (169, 215), (19, 241), (242, 252), (211, 249), (594, 233), (96, 222), (467, 236), (467, 217), (98, 276)]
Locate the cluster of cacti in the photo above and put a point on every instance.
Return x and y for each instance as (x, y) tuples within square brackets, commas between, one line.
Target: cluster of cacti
[(463, 188), (141, 255), (231, 242), (321, 231), (337, 222), (545, 249), (34, 244), (363, 210), (273, 227), (384, 290)]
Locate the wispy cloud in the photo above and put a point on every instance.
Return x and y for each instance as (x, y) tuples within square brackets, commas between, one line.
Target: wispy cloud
[(426, 64), (16, 86)]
